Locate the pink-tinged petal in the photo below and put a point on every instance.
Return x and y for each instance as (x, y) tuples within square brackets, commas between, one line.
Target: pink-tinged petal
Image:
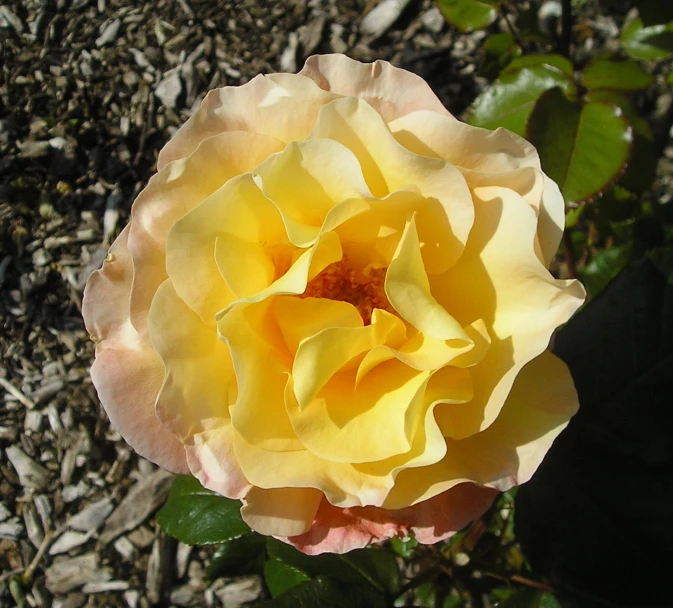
[(127, 373), (283, 106), (391, 91), (337, 530), (211, 459), (281, 511)]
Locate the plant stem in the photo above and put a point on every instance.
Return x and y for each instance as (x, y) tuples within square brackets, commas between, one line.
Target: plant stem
[(510, 25), (571, 266)]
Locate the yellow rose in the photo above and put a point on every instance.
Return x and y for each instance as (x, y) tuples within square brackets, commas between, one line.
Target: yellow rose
[(332, 302)]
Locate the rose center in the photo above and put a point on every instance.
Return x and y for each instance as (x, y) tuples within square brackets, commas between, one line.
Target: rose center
[(364, 289)]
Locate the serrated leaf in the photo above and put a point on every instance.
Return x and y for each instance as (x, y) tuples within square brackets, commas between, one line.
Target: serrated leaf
[(652, 42), (509, 101), (642, 164), (469, 15), (323, 592), (237, 556), (615, 73), (582, 147), (280, 576), (607, 480), (371, 567), (196, 516)]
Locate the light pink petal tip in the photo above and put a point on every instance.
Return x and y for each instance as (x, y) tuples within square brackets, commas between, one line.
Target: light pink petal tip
[(336, 530), (391, 91), (127, 373)]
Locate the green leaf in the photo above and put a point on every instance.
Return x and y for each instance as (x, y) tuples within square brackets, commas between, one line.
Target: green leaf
[(555, 63), (529, 598), (242, 555), (583, 147), (468, 15), (652, 42), (509, 101), (607, 481), (196, 516), (604, 267), (499, 49), (615, 73), (280, 576), (371, 567), (404, 548), (323, 592), (642, 164)]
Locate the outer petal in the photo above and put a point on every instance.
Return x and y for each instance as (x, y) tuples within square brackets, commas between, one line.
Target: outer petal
[(489, 158), (502, 281), (211, 459), (542, 401), (391, 91), (127, 373), (283, 106), (338, 530), (281, 511)]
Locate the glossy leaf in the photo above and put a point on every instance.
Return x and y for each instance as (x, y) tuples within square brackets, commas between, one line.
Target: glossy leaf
[(604, 267), (652, 42), (556, 63), (469, 15), (499, 49), (583, 147), (613, 73), (642, 164), (607, 481), (280, 576), (196, 516), (509, 101), (376, 568), (241, 555), (323, 592)]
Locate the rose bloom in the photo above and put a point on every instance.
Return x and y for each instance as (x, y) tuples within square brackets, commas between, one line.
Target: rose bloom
[(332, 302)]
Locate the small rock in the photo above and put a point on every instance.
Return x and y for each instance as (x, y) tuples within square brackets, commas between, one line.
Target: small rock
[(240, 592), (4, 512), (169, 89), (184, 596), (31, 475), (71, 493), (182, 559), (124, 547), (8, 18), (142, 500), (11, 529), (67, 574), (310, 35), (131, 597), (105, 586), (33, 527), (377, 21), (141, 537), (108, 33), (92, 516), (433, 20), (288, 58), (67, 541), (33, 149)]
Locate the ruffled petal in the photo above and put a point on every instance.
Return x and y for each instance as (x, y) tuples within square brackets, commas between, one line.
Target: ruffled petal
[(542, 401), (338, 530), (392, 92), (515, 295), (127, 373), (283, 106)]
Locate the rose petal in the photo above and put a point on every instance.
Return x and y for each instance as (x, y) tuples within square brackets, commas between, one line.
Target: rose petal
[(127, 373), (282, 106), (211, 459), (538, 408), (281, 511), (199, 384), (520, 302), (337, 530), (392, 92)]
